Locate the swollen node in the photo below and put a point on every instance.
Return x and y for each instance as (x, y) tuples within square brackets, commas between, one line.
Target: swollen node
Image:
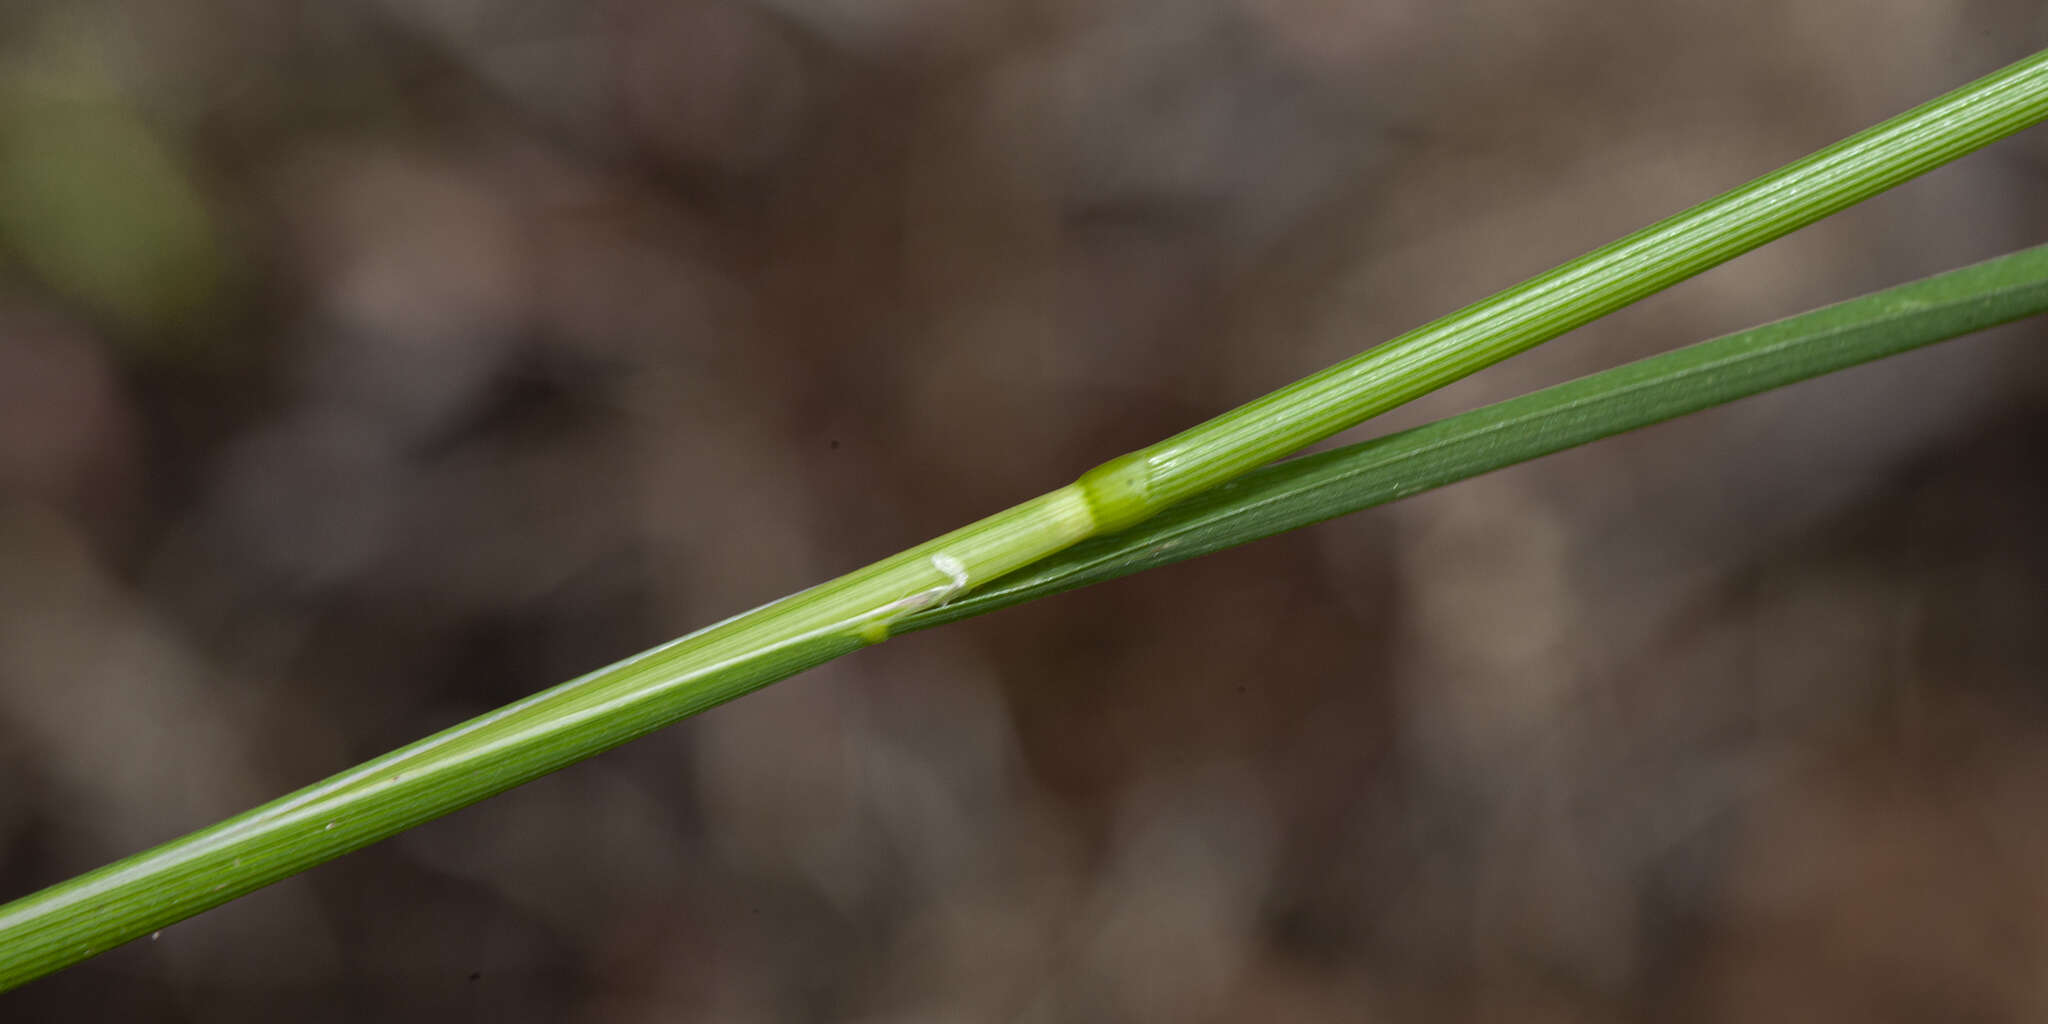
[(1118, 492)]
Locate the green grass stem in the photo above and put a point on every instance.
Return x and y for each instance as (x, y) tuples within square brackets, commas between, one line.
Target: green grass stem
[(68, 922)]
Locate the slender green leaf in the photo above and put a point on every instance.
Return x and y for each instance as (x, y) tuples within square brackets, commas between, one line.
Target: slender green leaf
[(1314, 488)]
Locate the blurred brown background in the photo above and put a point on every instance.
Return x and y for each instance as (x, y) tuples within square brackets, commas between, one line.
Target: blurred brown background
[(364, 366)]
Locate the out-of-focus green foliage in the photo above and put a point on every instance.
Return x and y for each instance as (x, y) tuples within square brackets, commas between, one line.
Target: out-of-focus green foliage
[(95, 204)]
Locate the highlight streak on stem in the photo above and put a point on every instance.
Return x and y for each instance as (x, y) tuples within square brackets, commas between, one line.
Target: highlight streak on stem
[(68, 922)]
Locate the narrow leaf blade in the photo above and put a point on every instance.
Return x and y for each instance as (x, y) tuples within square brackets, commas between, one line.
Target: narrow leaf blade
[(1315, 488)]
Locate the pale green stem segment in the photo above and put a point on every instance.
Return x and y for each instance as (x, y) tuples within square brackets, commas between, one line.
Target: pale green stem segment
[(68, 922), (1598, 283)]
